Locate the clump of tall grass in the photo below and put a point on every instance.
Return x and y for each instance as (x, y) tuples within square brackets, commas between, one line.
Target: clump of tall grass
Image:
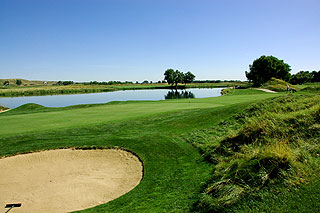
[(270, 143), (277, 85)]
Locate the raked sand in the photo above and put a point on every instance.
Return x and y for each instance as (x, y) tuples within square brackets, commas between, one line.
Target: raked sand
[(67, 180)]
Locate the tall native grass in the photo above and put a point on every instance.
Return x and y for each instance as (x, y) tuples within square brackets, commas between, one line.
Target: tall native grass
[(278, 85), (269, 144), (2, 108)]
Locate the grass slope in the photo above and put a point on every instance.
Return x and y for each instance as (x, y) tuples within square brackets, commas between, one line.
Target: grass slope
[(263, 153), (155, 131)]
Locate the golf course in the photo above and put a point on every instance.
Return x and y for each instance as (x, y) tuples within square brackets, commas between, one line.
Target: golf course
[(159, 106), (164, 135)]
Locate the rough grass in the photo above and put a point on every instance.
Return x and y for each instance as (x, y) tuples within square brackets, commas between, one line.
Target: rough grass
[(275, 143), (277, 85), (2, 108)]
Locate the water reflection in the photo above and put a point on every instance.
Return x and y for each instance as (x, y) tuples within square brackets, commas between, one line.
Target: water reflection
[(175, 94)]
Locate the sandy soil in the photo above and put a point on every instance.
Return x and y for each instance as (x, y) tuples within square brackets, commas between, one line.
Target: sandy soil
[(4, 110), (266, 90), (67, 180)]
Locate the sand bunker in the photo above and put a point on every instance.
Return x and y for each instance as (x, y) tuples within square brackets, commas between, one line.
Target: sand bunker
[(67, 180)]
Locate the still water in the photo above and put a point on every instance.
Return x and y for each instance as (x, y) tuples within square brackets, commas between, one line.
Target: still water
[(92, 98)]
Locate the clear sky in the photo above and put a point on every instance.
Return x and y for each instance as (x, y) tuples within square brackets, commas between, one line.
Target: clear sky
[(136, 40)]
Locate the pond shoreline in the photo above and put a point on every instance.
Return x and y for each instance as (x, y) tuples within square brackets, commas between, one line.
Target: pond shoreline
[(76, 89), (62, 100)]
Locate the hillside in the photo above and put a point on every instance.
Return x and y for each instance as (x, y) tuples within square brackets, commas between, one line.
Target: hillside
[(26, 82), (277, 85)]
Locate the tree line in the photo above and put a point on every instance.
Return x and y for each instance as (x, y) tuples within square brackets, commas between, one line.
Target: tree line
[(266, 67), (305, 77), (173, 77)]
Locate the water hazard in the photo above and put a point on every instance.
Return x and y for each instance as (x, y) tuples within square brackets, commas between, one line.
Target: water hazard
[(105, 97)]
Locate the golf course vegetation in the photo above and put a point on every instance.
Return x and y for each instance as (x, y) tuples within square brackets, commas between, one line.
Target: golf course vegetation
[(267, 146), (2, 108), (248, 150), (278, 85)]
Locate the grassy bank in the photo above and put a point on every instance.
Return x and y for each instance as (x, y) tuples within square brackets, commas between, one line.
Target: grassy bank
[(155, 131), (268, 150), (51, 90)]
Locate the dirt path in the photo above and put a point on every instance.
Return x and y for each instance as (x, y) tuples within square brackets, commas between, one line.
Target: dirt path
[(67, 180), (265, 90)]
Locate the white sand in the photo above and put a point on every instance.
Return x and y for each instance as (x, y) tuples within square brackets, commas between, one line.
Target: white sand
[(67, 180), (266, 90)]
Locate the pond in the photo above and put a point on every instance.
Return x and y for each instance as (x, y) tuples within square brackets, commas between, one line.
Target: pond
[(123, 95)]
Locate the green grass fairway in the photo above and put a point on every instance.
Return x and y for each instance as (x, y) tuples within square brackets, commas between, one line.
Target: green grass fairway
[(41, 119), (174, 170)]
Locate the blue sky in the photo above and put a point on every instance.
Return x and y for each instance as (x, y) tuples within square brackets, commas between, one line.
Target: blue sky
[(136, 40)]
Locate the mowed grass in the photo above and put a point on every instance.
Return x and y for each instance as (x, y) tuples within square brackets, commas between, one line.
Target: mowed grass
[(40, 118), (174, 171)]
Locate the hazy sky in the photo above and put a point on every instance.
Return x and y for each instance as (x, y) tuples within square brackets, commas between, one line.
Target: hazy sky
[(83, 40)]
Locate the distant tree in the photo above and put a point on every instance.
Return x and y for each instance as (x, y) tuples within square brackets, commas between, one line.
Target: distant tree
[(18, 82), (6, 83), (175, 77), (301, 77), (188, 78), (145, 82), (71, 82), (179, 78), (169, 76), (266, 67), (315, 76)]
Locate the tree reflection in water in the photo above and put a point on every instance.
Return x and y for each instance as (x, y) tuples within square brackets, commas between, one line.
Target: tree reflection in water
[(175, 94)]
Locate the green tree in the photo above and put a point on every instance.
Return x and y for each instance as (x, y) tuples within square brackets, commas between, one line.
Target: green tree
[(315, 76), (188, 78), (266, 67), (169, 76), (18, 82), (301, 77), (179, 78)]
